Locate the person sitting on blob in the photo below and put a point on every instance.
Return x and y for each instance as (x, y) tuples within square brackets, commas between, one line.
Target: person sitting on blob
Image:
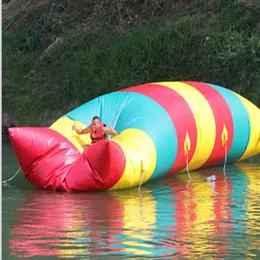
[(98, 130)]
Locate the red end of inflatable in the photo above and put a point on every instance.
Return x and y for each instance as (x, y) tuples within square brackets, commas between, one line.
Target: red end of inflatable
[(50, 161), (106, 162)]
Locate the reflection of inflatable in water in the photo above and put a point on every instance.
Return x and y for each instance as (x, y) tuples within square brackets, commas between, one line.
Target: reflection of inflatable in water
[(206, 216), (161, 126), (252, 207), (167, 220)]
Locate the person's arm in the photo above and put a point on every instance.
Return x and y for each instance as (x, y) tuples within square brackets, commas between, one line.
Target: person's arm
[(110, 131), (81, 131)]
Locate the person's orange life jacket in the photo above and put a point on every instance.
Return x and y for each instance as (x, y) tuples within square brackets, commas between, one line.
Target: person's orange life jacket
[(97, 135)]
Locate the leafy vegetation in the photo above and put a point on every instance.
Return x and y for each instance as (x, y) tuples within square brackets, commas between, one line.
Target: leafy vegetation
[(63, 53)]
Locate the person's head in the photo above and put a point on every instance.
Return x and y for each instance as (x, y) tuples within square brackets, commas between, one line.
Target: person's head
[(95, 122)]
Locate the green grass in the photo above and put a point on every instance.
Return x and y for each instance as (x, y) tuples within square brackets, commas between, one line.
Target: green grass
[(217, 43)]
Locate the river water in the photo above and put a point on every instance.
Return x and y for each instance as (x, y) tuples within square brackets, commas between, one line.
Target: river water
[(169, 219)]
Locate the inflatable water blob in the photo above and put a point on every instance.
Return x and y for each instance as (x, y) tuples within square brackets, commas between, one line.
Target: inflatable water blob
[(163, 128)]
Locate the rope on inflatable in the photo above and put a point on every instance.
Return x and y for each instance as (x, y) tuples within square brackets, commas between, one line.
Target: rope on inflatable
[(225, 163), (187, 165)]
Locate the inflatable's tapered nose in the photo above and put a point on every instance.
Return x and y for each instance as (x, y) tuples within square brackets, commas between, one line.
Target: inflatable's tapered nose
[(44, 154), (31, 143), (50, 161)]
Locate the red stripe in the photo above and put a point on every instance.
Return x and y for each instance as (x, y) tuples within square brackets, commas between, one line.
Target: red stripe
[(222, 115), (180, 113)]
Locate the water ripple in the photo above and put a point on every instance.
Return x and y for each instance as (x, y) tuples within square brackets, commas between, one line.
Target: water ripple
[(169, 219)]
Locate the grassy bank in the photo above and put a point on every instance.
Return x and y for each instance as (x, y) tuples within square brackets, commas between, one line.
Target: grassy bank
[(57, 56)]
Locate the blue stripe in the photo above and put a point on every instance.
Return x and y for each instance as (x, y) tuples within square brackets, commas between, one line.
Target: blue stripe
[(240, 121), (124, 110), (238, 206), (165, 212)]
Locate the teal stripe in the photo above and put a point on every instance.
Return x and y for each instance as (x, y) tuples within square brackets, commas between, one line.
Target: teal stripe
[(240, 121), (238, 206), (125, 110), (165, 214)]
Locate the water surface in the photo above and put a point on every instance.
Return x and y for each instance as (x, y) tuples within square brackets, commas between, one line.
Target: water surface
[(168, 219)]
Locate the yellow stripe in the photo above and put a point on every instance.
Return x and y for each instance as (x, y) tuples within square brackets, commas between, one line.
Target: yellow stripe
[(205, 214), (204, 208), (139, 220), (140, 155), (64, 127), (205, 122), (253, 146)]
